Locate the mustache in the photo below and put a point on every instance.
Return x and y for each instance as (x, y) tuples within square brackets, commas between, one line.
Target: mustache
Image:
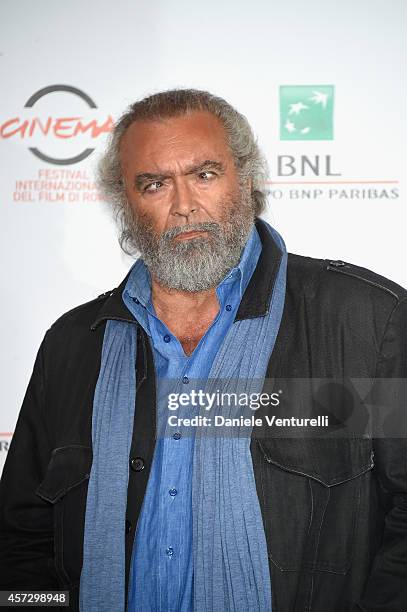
[(206, 226)]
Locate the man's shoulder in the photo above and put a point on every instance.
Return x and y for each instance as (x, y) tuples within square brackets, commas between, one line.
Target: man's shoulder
[(83, 315), (342, 278), (86, 315)]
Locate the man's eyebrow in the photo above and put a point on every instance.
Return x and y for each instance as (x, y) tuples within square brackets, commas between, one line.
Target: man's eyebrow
[(144, 177), (207, 164)]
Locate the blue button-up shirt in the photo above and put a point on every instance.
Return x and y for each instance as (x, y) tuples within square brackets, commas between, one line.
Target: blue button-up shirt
[(161, 574)]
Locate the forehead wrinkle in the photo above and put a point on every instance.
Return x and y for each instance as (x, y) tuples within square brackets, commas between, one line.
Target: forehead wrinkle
[(189, 169)]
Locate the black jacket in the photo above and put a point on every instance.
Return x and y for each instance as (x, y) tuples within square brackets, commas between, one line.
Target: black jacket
[(334, 512)]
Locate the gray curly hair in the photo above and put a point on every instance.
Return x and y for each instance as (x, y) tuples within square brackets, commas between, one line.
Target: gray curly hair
[(249, 160)]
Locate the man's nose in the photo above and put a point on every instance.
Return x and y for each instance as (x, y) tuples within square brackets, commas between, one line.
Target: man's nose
[(184, 202)]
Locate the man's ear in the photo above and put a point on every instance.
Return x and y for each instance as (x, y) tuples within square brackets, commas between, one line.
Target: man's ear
[(249, 183)]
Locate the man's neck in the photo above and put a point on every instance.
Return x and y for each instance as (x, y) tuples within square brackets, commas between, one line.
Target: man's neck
[(187, 315)]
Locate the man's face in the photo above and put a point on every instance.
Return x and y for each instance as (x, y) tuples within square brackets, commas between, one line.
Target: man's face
[(191, 215), (178, 170)]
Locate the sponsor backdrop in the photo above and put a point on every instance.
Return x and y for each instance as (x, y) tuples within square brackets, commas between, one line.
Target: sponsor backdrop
[(321, 82)]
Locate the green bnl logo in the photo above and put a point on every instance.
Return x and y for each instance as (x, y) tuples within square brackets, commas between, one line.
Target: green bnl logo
[(306, 112)]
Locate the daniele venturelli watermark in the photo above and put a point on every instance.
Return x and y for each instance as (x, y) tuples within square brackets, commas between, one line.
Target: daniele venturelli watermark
[(236, 404)]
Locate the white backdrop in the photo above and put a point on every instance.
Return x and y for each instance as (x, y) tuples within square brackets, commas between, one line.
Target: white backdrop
[(59, 245)]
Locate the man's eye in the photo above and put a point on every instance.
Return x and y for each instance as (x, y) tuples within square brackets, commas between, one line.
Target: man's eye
[(155, 186), (206, 175)]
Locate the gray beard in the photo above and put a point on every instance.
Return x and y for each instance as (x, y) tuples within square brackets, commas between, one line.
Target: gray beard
[(200, 263)]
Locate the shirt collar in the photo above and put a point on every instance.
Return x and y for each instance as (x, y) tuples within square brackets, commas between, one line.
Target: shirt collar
[(138, 286), (249, 259)]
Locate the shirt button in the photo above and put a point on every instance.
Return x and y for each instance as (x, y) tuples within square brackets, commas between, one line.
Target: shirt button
[(170, 551), (167, 338), (136, 301), (228, 307), (128, 526), (137, 464), (173, 492), (177, 435), (185, 380)]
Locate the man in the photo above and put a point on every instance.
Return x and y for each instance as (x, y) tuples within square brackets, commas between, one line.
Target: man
[(102, 497)]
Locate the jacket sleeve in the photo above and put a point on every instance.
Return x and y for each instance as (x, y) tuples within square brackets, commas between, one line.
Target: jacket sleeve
[(26, 521), (386, 589)]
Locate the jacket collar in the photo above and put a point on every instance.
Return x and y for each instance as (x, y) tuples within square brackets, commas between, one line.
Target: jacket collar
[(255, 301)]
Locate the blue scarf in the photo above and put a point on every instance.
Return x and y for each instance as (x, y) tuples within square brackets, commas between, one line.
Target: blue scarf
[(231, 571)]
